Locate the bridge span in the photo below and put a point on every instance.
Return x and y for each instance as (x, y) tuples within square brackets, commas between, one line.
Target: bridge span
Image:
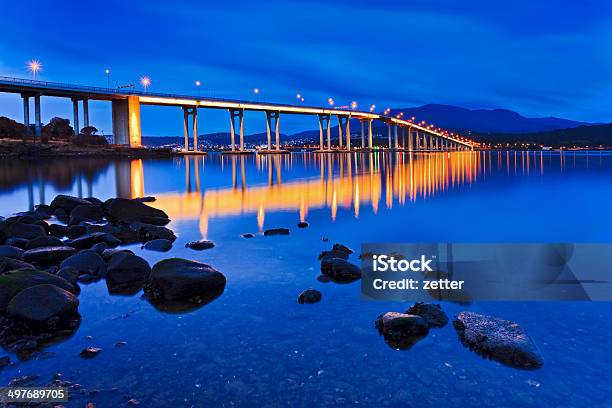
[(402, 134)]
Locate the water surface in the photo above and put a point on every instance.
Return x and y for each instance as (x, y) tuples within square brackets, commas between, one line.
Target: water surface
[(256, 346)]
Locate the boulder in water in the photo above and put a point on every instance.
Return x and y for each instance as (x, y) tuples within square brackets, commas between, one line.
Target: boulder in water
[(48, 255), (67, 203), (46, 241), (499, 339), (200, 245), (309, 296), (159, 245), (86, 262), (276, 231), (9, 251), (431, 312), (401, 330), (13, 282), (13, 228), (40, 303), (128, 211)]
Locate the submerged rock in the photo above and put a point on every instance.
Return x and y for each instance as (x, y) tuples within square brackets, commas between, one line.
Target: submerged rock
[(177, 279), (48, 255), (160, 245), (200, 245), (146, 199), (309, 296), (126, 273), (276, 231), (86, 262), (247, 235), (499, 339), (9, 251), (431, 312), (13, 282), (401, 330), (40, 303), (90, 352), (340, 270), (302, 224)]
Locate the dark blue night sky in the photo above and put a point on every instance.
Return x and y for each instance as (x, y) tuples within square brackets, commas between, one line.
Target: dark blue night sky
[(540, 58)]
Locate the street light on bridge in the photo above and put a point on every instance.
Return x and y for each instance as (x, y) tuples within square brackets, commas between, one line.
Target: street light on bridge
[(145, 81), (107, 72), (35, 67), (372, 108), (330, 101), (354, 105), (197, 84)]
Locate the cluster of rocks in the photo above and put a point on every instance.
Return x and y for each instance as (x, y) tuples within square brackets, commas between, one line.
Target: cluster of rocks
[(492, 337), (42, 264), (336, 267)]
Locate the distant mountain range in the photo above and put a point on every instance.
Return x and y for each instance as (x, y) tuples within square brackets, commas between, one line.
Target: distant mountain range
[(484, 120), (490, 125), (581, 136)]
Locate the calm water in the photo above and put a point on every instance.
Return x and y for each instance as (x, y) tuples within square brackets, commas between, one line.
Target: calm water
[(256, 346)]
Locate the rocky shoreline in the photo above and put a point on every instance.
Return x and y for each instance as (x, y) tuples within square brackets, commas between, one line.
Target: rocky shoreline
[(19, 149)]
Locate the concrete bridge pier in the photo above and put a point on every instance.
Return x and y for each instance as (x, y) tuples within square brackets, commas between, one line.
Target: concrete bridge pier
[(85, 112), (75, 116), (348, 133), (410, 144), (233, 114), (362, 123), (324, 122), (26, 110), (126, 121), (37, 121), (340, 126), (193, 113), (389, 136), (370, 138), (396, 141)]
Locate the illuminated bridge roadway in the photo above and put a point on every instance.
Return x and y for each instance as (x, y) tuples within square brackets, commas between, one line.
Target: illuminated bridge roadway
[(127, 130)]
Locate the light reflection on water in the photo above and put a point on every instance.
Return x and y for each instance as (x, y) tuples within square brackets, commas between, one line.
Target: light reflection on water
[(255, 345)]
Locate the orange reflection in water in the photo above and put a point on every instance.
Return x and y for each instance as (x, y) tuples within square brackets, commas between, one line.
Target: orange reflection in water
[(344, 181)]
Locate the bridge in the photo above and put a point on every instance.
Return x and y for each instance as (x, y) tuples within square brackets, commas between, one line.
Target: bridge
[(126, 127)]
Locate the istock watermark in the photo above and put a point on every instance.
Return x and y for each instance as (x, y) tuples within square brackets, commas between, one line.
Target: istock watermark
[(468, 272)]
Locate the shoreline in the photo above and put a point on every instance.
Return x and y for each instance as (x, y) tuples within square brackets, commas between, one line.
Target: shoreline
[(20, 149)]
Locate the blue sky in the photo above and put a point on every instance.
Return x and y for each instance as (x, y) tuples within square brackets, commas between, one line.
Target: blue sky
[(540, 58)]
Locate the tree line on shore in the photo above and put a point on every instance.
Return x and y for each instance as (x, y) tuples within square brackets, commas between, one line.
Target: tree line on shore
[(58, 129)]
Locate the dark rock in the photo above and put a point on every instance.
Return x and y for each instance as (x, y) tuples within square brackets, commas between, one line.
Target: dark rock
[(87, 212), (61, 214), (13, 282), (499, 339), (181, 279), (87, 278), (9, 251), (25, 380), (401, 330), (247, 235), (309, 296), (67, 203), (48, 255), (431, 312), (17, 242), (10, 264), (86, 262), (324, 279), (58, 230), (148, 232), (44, 242), (42, 302), (43, 211), (12, 228), (94, 201), (276, 231), (200, 245), (342, 248), (147, 199), (75, 231), (302, 224), (69, 273), (5, 361), (341, 270), (128, 211), (126, 269), (160, 245), (90, 352), (86, 241), (99, 247), (107, 254), (106, 228)]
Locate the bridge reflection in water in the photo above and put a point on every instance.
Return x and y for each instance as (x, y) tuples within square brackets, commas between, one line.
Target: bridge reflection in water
[(347, 181)]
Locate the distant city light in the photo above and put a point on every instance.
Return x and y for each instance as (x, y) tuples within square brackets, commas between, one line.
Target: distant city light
[(354, 105), (35, 67), (198, 83), (372, 108)]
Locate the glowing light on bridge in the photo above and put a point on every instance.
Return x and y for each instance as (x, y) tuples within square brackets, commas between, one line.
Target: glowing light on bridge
[(330, 101), (145, 81), (354, 105), (35, 67)]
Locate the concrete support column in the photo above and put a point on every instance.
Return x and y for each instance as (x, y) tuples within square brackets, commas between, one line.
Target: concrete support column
[(75, 115), (85, 113), (410, 145), (320, 132), (362, 133), (348, 133), (277, 130), (134, 121), (186, 128), (194, 114), (389, 135), (269, 129), (26, 110), (328, 132), (403, 138), (241, 129), (340, 125), (232, 130), (38, 129), (370, 141), (396, 143)]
